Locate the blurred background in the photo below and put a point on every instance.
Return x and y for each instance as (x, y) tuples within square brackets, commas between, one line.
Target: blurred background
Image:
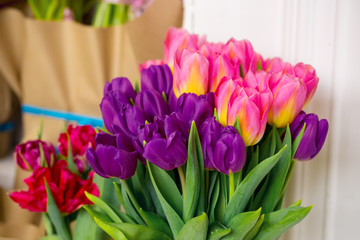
[(325, 34)]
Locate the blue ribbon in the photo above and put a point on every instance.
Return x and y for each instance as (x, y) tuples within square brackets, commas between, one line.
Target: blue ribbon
[(81, 119), (6, 127)]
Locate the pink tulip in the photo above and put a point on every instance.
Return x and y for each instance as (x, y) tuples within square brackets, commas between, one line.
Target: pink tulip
[(251, 107), (258, 81), (289, 94), (148, 63), (178, 39), (219, 67), (277, 65), (223, 93), (308, 74), (208, 49), (242, 52), (191, 70)]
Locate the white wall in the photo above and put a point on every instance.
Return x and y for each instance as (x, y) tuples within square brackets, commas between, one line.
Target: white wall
[(325, 34)]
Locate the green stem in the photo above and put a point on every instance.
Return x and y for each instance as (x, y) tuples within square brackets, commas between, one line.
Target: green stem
[(207, 182), (231, 185), (131, 195), (182, 180), (48, 225)]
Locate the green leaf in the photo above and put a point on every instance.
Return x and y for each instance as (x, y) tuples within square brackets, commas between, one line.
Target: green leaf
[(241, 224), (84, 220), (254, 161), (296, 204), (113, 232), (96, 214), (237, 125), (42, 156), (135, 231), (153, 195), (172, 217), (277, 177), (201, 207), (268, 146), (58, 221), (104, 206), (276, 223), (156, 222), (217, 231), (259, 66), (70, 160), (130, 202), (255, 229), (214, 199), (195, 228), (131, 210), (47, 224), (247, 187), (167, 188), (297, 141), (192, 189), (221, 203)]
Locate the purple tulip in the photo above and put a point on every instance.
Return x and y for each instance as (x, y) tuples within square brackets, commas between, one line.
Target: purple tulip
[(114, 156), (230, 151), (120, 84), (129, 120), (111, 105), (167, 145), (147, 133), (196, 108), (209, 132), (152, 103), (314, 135), (159, 78)]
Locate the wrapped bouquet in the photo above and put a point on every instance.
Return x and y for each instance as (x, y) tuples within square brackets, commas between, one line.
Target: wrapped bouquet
[(205, 149)]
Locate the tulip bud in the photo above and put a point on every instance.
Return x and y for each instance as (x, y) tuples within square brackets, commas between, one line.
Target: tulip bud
[(230, 151), (191, 73), (129, 120), (277, 65), (149, 63), (122, 85), (152, 103), (178, 39), (159, 78), (114, 156), (308, 74), (169, 150), (223, 93), (209, 133), (28, 157), (289, 94), (219, 66), (251, 108), (196, 108), (314, 135)]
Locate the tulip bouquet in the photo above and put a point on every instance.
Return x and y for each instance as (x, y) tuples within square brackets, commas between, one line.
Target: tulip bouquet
[(207, 147), (58, 182)]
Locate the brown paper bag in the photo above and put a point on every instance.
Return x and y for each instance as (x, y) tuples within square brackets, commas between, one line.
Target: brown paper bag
[(17, 223), (11, 38), (65, 65)]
